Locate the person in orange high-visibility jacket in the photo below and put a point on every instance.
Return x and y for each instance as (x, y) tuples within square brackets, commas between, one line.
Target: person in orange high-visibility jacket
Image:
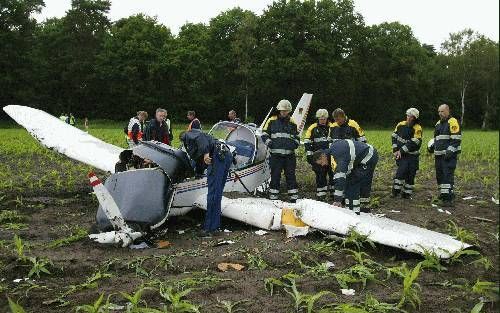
[(135, 129), (194, 123)]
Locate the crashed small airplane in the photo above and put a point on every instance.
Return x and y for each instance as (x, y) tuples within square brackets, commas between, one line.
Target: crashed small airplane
[(127, 213)]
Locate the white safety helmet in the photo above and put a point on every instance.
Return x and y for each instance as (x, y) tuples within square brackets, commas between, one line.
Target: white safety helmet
[(284, 105), (430, 146), (413, 112), (322, 113)]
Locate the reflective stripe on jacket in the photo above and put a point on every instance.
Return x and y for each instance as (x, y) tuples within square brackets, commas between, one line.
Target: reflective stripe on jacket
[(317, 137), (281, 135), (349, 130), (407, 138), (447, 137)]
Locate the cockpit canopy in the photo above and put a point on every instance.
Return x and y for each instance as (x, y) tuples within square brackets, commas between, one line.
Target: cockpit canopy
[(248, 146)]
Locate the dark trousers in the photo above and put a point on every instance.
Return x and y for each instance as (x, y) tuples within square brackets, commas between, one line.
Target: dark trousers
[(445, 176), (287, 164), (359, 184), (404, 179), (216, 178), (324, 179)]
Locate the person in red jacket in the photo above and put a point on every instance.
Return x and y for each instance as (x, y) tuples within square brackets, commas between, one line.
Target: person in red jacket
[(135, 129)]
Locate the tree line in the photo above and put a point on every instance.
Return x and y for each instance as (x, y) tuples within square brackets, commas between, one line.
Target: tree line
[(86, 64)]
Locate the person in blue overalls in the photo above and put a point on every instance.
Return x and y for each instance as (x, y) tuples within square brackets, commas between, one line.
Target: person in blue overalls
[(353, 164), (215, 156)]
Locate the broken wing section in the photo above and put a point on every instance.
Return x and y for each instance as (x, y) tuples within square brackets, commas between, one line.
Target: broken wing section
[(74, 143)]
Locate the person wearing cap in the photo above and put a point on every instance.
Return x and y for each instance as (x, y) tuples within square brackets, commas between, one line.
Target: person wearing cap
[(318, 138), (446, 146), (345, 128), (406, 143), (281, 136), (353, 164)]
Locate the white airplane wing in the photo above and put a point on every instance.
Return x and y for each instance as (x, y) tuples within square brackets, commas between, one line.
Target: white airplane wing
[(300, 113), (64, 138)]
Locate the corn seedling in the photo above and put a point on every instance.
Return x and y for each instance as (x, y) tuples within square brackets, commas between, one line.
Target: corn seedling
[(355, 274), (135, 302), (39, 266), (461, 234), (19, 248), (371, 304), (15, 307), (400, 271), (78, 234), (356, 239), (97, 307), (256, 262), (232, 307), (199, 280), (283, 281), (302, 301), (483, 262), (432, 261), (323, 248), (487, 289), (411, 290), (177, 303), (457, 256)]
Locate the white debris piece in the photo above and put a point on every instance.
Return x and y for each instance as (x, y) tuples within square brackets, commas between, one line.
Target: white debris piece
[(440, 210), (260, 232), (469, 198), (447, 212), (140, 246), (395, 211), (496, 201), (329, 265), (227, 231), (180, 232), (294, 231), (348, 292)]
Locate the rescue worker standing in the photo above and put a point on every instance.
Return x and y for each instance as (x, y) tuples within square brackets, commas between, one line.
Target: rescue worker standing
[(194, 123), (318, 138), (281, 136), (446, 148), (345, 128), (157, 128), (406, 142), (135, 129), (72, 120), (353, 165), (213, 154)]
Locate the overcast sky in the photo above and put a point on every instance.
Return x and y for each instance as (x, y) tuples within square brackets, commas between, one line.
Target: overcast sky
[(431, 20)]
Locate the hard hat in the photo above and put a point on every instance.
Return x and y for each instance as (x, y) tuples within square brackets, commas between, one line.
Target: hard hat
[(413, 112), (284, 105), (430, 146), (322, 113)]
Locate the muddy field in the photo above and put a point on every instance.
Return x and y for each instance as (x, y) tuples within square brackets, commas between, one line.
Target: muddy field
[(66, 270)]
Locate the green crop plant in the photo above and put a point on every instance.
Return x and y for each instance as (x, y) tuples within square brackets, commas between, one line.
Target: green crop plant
[(400, 271), (411, 290), (483, 262), (323, 247), (354, 238), (97, 307), (20, 247), (371, 304), (11, 216), (135, 302), (302, 301), (177, 303), (15, 307), (256, 262), (362, 258), (199, 280), (457, 256), (486, 289), (38, 266), (432, 260), (355, 274), (461, 234), (284, 281), (232, 307), (78, 234)]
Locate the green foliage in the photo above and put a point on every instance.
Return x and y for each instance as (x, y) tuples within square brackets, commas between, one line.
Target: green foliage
[(355, 239), (15, 307), (38, 266), (177, 303), (411, 290), (232, 307), (19, 248), (78, 234), (432, 261), (461, 234), (256, 262), (487, 289), (97, 307)]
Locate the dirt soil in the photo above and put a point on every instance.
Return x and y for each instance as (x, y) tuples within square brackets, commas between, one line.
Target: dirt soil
[(52, 216)]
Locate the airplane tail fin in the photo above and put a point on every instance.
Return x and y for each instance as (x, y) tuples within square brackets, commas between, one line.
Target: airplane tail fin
[(301, 111), (123, 234)]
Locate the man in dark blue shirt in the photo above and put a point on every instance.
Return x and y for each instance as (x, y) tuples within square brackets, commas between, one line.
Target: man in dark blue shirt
[(208, 152)]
